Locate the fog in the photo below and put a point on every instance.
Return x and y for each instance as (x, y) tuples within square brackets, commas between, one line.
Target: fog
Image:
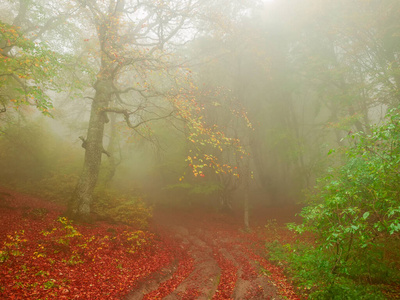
[(223, 105)]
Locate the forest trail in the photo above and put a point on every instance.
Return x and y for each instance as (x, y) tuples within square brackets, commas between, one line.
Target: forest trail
[(217, 261), (196, 254)]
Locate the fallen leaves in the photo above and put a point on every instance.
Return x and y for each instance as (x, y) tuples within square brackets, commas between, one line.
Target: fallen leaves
[(45, 257), (42, 255)]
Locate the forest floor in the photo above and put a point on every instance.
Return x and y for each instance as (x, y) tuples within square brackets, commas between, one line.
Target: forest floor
[(186, 254)]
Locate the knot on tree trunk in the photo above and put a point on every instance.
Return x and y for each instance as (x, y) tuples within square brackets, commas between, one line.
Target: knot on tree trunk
[(84, 145)]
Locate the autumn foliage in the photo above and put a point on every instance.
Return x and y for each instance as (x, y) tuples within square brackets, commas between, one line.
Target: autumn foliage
[(45, 255)]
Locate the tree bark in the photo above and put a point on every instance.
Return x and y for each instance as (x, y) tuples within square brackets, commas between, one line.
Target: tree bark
[(246, 206), (107, 28), (112, 149), (79, 205)]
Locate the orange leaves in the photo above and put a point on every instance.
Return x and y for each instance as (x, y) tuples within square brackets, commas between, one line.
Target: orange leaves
[(201, 162), (210, 143)]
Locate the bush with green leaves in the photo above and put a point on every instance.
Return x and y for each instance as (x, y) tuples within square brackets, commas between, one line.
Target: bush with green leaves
[(310, 268), (354, 215), (127, 209), (357, 206)]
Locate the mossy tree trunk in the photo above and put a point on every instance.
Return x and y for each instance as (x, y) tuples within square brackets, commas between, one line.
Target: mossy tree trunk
[(112, 149), (107, 26), (79, 207)]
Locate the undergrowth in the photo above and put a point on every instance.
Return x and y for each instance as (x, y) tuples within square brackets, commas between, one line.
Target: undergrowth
[(126, 209), (43, 255), (354, 215), (314, 270)]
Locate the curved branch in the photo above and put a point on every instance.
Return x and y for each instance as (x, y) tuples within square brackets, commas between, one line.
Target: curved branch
[(127, 115)]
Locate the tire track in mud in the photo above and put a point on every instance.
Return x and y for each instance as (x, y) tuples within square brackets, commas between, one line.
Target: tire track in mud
[(202, 282), (218, 266)]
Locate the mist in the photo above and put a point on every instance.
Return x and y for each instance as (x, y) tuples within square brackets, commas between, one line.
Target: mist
[(234, 108), (289, 81)]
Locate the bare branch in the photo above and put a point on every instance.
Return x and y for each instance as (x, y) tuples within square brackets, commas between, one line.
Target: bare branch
[(127, 115)]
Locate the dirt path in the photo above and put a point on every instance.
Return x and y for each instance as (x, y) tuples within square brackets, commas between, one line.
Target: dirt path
[(216, 261), (201, 255)]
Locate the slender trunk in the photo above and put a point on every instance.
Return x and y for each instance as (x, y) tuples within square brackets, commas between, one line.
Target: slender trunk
[(246, 205), (246, 196), (240, 92), (259, 156)]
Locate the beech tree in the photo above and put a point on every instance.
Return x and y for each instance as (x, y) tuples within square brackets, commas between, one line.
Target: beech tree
[(30, 66), (133, 41)]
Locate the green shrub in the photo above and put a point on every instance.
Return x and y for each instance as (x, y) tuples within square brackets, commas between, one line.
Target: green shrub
[(311, 269), (354, 214), (131, 210)]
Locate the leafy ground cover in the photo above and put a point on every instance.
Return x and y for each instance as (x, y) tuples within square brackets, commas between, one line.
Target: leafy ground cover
[(44, 256), (226, 263), (182, 256)]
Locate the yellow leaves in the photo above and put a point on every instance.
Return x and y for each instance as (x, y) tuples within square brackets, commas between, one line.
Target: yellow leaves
[(202, 134), (38, 255)]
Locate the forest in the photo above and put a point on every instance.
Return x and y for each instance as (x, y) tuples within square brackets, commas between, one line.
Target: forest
[(199, 149)]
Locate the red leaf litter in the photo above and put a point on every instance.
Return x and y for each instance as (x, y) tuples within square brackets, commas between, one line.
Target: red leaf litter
[(183, 256)]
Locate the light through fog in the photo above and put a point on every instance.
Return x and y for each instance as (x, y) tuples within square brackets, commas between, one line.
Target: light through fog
[(216, 120)]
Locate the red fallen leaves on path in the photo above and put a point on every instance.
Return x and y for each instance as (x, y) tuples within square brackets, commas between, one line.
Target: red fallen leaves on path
[(228, 277), (44, 256), (185, 267), (233, 249)]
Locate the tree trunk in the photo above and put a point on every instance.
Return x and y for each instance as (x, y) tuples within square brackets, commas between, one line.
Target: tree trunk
[(112, 149), (107, 27), (246, 208), (246, 189), (225, 204), (79, 205)]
